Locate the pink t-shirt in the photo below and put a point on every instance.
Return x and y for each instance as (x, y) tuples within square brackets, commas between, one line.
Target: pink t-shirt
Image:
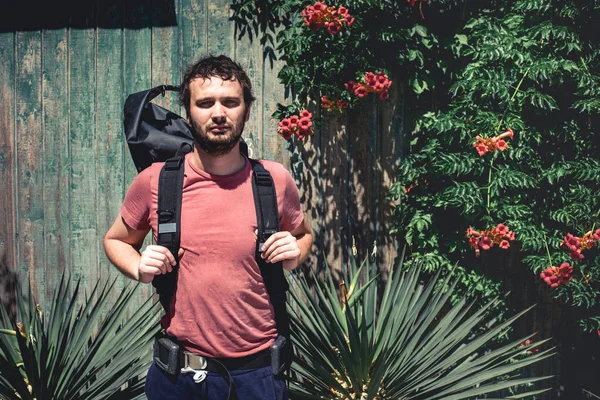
[(220, 307)]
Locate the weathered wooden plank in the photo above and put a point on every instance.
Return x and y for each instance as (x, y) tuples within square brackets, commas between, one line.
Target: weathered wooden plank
[(391, 139), (362, 128), (273, 92), (56, 157), (249, 55), (335, 180), (220, 32), (8, 261), (193, 22), (166, 60), (137, 69), (7, 157), (82, 131), (306, 165), (137, 77), (29, 153), (109, 126)]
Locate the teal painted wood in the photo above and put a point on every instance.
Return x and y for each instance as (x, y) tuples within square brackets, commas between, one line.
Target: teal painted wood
[(56, 162), (29, 152), (137, 72), (83, 141), (8, 257), (104, 65), (109, 127), (249, 55), (193, 22), (220, 34), (166, 60)]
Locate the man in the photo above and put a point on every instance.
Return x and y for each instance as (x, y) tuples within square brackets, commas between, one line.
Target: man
[(220, 308)]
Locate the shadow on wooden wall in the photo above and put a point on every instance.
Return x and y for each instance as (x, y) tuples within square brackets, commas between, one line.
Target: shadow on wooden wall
[(84, 14), (344, 171), (8, 287)]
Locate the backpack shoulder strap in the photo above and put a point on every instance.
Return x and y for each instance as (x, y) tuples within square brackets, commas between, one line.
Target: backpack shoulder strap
[(267, 216), (170, 189)]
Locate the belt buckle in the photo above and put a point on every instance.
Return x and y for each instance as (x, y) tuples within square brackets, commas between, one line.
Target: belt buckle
[(196, 364)]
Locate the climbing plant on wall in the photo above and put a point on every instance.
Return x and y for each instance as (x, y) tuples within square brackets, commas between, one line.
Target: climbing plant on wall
[(515, 147), (504, 110)]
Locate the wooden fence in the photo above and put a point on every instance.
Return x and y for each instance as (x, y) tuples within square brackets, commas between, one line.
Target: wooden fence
[(64, 165)]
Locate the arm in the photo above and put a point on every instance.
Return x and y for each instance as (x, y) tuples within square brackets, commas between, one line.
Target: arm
[(122, 244), (292, 247)]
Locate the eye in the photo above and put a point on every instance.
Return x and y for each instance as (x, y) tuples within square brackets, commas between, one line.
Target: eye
[(231, 103), (205, 103)]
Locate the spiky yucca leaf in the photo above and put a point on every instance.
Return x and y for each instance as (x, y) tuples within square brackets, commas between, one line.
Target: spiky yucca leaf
[(408, 342), (76, 352)]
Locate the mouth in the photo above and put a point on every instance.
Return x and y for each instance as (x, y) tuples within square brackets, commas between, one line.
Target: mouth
[(219, 128)]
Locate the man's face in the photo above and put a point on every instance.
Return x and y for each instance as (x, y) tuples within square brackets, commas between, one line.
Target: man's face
[(217, 114)]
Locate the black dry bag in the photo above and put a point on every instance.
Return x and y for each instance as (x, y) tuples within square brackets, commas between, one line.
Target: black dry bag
[(153, 133)]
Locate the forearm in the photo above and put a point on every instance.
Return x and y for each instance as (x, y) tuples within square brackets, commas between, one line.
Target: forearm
[(305, 243), (124, 256)]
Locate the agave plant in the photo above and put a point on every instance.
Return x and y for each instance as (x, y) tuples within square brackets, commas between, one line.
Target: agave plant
[(76, 352), (410, 343)]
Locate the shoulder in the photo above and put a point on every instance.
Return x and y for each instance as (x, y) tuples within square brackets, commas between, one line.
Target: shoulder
[(151, 173), (146, 180), (281, 176), (277, 170)]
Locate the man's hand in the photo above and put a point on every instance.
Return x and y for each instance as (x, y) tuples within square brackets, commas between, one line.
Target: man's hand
[(282, 246), (156, 260)]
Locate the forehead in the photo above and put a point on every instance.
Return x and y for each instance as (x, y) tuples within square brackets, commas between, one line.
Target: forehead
[(215, 86)]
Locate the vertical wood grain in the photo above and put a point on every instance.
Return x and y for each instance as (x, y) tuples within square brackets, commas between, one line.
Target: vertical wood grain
[(29, 152), (166, 60), (84, 141), (248, 53), (8, 179), (137, 72), (362, 127), (273, 146), (334, 181), (56, 157), (392, 150), (306, 164), (137, 62), (193, 30), (220, 31), (109, 127)]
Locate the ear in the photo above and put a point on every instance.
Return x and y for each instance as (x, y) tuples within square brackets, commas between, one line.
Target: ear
[(247, 117)]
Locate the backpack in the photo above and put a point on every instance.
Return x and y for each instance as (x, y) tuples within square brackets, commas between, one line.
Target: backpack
[(155, 134)]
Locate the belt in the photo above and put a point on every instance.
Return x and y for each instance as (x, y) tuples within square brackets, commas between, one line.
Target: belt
[(197, 362)]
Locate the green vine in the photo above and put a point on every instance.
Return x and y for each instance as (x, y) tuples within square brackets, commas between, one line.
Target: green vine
[(531, 66)]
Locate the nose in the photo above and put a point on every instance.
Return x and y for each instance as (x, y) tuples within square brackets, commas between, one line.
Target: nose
[(218, 112)]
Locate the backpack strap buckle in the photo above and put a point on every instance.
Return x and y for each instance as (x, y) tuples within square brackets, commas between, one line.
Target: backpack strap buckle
[(263, 178), (173, 164), (265, 235)]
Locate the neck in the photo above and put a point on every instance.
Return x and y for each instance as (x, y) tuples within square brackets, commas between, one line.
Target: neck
[(226, 164)]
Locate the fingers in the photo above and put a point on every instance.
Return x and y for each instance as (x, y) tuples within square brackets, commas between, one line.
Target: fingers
[(161, 250), (156, 260), (280, 246), (273, 238)]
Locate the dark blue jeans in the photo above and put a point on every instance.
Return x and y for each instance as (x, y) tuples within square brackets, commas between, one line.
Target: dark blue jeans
[(250, 384)]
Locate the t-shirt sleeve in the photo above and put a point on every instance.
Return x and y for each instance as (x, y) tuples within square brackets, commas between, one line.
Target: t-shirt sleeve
[(291, 215), (135, 210)]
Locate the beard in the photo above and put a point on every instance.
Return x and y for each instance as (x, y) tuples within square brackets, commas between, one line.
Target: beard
[(218, 145)]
